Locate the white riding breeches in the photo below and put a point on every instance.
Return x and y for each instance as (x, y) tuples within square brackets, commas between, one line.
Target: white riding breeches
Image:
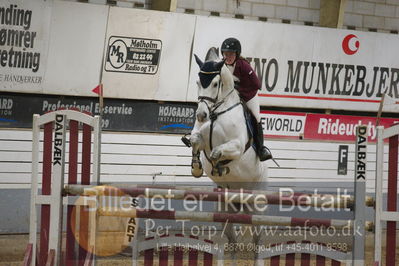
[(253, 106)]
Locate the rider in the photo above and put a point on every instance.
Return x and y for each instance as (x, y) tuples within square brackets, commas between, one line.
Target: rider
[(248, 86)]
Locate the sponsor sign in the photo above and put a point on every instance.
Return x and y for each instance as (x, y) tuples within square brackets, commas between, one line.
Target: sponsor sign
[(361, 153), (24, 38), (322, 127), (133, 55), (145, 116), (175, 116), (118, 115), (309, 67), (143, 60), (341, 127), (283, 124)]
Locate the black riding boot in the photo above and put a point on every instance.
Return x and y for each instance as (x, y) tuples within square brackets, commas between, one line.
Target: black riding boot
[(263, 152)]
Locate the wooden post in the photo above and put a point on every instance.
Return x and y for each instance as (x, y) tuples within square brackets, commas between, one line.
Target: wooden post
[(332, 13), (164, 5)]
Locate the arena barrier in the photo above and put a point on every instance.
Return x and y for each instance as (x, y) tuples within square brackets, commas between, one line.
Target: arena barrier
[(391, 215), (55, 195)]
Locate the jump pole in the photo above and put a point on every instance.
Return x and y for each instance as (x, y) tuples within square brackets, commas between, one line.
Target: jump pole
[(239, 218), (218, 195)]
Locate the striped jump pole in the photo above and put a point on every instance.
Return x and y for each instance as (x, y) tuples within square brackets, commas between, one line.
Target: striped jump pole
[(219, 195), (239, 218)]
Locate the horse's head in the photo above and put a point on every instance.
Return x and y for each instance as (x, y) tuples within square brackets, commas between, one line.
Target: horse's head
[(214, 79)]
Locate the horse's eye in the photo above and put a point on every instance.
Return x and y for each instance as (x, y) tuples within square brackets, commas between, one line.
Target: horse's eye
[(215, 84)]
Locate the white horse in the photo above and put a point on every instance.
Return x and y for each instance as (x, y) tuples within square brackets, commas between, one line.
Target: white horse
[(221, 143), (220, 140)]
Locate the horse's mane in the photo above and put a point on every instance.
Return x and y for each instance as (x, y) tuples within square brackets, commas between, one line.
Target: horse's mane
[(227, 77)]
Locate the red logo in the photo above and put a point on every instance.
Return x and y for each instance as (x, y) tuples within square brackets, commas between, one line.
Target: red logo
[(348, 41)]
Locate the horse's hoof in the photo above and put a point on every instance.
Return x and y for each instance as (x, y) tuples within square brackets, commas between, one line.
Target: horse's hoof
[(197, 172), (220, 171)]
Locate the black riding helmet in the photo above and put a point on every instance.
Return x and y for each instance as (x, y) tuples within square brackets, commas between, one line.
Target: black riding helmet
[(231, 45)]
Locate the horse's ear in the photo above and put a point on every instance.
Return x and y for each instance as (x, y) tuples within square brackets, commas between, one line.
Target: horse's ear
[(219, 65), (199, 62)]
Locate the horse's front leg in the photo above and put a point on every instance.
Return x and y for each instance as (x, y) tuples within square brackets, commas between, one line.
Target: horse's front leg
[(230, 150), (197, 144)]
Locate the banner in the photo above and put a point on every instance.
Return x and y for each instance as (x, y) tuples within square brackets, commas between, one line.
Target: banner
[(23, 44), (308, 67), (341, 127), (16, 111), (320, 127), (283, 124), (147, 54)]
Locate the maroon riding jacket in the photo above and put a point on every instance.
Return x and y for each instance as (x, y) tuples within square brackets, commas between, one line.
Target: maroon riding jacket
[(249, 83)]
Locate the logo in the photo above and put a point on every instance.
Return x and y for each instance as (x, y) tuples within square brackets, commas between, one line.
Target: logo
[(133, 55), (176, 117), (117, 53), (350, 44), (6, 105)]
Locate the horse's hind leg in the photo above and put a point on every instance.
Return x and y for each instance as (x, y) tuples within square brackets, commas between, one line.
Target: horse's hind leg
[(196, 165)]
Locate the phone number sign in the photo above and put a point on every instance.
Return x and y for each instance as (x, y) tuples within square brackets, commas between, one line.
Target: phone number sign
[(133, 55)]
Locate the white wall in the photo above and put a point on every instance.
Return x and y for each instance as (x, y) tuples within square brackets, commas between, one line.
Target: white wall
[(361, 14), (75, 48), (372, 14)]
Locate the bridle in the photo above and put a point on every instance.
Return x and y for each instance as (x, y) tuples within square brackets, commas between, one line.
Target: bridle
[(206, 99), (216, 102)]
